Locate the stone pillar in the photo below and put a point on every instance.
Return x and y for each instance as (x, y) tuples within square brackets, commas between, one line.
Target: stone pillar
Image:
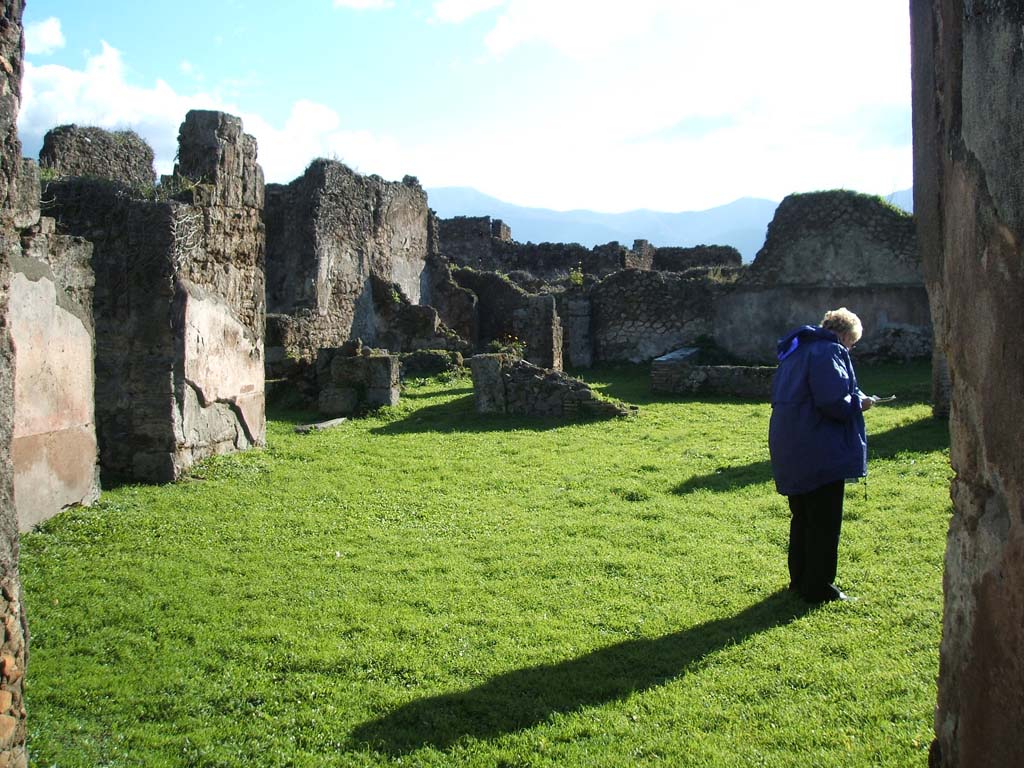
[(537, 324), (968, 98), (13, 648), (579, 346)]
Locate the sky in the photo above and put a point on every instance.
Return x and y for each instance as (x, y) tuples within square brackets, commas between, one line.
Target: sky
[(668, 105)]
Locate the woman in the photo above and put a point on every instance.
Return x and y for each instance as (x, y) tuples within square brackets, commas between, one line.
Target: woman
[(817, 440)]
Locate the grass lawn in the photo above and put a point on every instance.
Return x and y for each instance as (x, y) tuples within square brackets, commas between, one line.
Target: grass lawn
[(430, 587)]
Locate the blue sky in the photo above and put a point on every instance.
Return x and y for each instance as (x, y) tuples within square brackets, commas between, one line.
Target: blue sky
[(669, 105)]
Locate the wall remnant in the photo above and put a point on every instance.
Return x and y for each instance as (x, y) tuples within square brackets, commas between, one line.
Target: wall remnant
[(638, 315), (968, 96), (353, 378), (825, 250), (476, 242), (179, 304), (504, 384), (506, 313), (54, 448), (696, 257), (70, 150), (14, 640), (682, 372), (331, 233)]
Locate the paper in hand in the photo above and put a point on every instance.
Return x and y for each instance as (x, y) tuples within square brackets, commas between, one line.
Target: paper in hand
[(878, 399)]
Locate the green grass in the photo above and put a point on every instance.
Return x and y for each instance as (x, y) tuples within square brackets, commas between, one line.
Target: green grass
[(431, 587)]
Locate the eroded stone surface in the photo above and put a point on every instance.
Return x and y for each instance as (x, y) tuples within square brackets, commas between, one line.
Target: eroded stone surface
[(505, 384), (968, 93), (333, 237), (71, 150), (179, 304), (13, 644)]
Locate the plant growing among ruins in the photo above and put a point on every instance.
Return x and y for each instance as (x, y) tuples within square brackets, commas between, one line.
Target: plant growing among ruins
[(576, 275), (509, 344)]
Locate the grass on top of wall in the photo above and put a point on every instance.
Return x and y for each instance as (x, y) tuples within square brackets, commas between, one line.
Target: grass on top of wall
[(431, 587)]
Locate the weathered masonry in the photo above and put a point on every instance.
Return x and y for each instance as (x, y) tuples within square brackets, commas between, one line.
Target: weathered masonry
[(179, 303), (968, 97), (13, 652), (348, 257), (54, 450)]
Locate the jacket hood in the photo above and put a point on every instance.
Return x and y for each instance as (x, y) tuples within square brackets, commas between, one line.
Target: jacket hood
[(803, 335)]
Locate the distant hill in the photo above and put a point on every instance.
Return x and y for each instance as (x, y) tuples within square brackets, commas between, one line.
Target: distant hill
[(741, 224)]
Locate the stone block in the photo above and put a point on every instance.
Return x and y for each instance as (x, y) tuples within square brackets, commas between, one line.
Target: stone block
[(338, 400)]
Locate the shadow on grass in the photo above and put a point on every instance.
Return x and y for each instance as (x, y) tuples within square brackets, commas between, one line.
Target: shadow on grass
[(922, 436), (412, 394), (526, 697), (459, 415)]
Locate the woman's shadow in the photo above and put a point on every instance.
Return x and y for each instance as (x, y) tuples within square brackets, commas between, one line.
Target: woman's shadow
[(526, 697)]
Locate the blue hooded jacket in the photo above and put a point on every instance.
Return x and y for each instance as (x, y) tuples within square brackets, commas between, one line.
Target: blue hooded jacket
[(816, 434)]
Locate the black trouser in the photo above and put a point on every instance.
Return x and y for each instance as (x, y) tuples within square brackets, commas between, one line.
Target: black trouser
[(814, 540)]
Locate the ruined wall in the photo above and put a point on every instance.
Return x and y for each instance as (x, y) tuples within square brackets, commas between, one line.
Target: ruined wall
[(483, 244), (352, 377), (968, 96), (683, 372), (13, 648), (638, 315), (328, 233), (682, 259), (824, 250), (54, 450), (70, 150), (179, 305), (506, 312), (503, 384)]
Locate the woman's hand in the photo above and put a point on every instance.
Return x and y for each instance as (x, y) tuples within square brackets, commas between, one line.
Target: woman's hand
[(866, 401)]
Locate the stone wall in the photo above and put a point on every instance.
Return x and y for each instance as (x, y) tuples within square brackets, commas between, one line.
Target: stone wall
[(13, 648), (179, 305), (968, 96), (682, 259), (329, 232), (683, 373), (825, 250), (503, 384), (482, 244), (352, 377), (638, 315), (70, 150), (506, 313), (54, 449)]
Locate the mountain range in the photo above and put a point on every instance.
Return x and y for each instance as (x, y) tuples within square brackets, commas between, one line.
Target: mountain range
[(741, 223)]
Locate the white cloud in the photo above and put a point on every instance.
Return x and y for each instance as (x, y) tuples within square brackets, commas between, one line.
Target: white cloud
[(579, 29), (364, 5), (43, 37), (99, 95), (457, 11)]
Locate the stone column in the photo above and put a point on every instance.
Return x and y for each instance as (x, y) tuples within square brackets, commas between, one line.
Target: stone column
[(968, 98)]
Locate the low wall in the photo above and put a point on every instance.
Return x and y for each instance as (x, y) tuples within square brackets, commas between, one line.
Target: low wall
[(353, 378), (749, 320), (503, 384), (681, 373)]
